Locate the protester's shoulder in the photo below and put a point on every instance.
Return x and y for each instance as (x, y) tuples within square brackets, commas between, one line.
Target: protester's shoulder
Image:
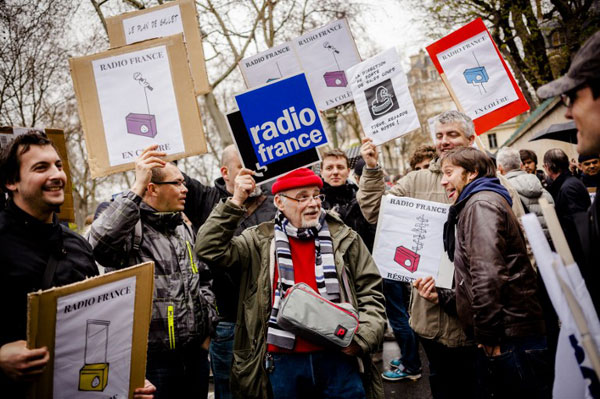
[(527, 185), (4, 222), (417, 178), (76, 238), (487, 200), (261, 231)]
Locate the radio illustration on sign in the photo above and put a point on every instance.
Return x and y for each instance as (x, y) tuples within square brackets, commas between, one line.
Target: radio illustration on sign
[(477, 76), (93, 376), (280, 74), (409, 259), (142, 124), (334, 78)]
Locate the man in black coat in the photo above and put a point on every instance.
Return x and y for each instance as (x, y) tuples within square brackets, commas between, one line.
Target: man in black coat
[(199, 204)]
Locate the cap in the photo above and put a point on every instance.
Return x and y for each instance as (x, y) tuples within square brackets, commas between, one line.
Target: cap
[(300, 177), (585, 66), (583, 158)]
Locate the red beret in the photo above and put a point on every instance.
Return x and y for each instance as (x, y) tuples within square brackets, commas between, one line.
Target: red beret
[(300, 177)]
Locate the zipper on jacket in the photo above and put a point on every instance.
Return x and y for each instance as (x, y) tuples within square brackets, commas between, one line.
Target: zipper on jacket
[(192, 263), (171, 326)]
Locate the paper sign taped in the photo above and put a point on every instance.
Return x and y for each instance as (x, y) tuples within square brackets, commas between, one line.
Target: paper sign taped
[(409, 240), (477, 76), (380, 90), (270, 65)]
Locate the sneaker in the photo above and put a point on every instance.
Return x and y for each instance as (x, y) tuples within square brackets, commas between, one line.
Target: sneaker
[(396, 364), (398, 375)]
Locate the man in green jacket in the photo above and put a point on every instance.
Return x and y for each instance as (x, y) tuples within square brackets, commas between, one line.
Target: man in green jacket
[(303, 244)]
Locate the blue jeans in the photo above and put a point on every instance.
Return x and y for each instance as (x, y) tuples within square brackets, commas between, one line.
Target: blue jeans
[(221, 358), (318, 375), (180, 373), (521, 370), (398, 317)]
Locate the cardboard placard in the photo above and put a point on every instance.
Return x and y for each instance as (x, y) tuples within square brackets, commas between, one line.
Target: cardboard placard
[(270, 172), (323, 54), (409, 241), (67, 210), (383, 101), (96, 332), (282, 119), (164, 20), (477, 76), (135, 96)]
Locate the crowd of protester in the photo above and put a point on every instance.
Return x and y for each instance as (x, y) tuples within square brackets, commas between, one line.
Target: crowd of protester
[(226, 255)]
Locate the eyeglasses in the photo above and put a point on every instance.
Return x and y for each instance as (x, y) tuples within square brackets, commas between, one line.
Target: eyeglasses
[(306, 198), (568, 99), (177, 183)]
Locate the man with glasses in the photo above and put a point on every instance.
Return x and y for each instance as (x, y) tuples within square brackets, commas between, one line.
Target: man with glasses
[(303, 244), (580, 91), (146, 225)]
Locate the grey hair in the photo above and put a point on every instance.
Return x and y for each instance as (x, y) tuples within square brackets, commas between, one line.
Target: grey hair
[(455, 116), (508, 158)]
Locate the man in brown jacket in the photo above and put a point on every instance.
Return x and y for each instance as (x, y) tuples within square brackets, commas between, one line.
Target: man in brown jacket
[(449, 351), (496, 290)]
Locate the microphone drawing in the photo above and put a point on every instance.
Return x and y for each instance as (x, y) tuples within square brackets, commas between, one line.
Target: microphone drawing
[(334, 78), (142, 124)]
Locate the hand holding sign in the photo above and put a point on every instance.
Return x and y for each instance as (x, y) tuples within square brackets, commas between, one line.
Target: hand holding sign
[(369, 152), (20, 363), (244, 185), (148, 160), (426, 288)]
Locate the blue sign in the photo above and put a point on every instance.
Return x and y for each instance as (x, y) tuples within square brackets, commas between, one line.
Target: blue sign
[(282, 119)]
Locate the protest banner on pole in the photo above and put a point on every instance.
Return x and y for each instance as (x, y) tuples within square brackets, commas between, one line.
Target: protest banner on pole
[(323, 54), (409, 240), (135, 96), (67, 209), (164, 20), (270, 65), (264, 174), (380, 90), (577, 364), (477, 76), (96, 332), (282, 119)]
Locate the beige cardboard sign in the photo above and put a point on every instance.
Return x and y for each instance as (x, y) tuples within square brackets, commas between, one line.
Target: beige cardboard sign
[(135, 96), (168, 19), (96, 332), (67, 210)]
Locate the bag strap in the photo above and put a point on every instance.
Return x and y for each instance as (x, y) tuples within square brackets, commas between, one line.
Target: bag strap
[(49, 272), (137, 236)]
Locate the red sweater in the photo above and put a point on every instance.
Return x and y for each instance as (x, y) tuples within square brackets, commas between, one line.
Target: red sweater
[(303, 258)]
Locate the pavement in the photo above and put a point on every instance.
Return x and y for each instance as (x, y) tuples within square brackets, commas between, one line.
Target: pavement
[(405, 389)]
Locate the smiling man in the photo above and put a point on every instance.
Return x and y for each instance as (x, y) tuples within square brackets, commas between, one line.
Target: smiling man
[(306, 244), (496, 297), (146, 224)]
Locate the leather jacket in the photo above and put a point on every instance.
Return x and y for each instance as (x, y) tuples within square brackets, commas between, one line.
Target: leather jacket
[(496, 289)]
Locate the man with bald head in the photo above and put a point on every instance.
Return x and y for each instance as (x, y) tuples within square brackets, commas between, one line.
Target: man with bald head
[(259, 207)]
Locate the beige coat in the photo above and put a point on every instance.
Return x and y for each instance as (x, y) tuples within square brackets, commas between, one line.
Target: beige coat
[(426, 319)]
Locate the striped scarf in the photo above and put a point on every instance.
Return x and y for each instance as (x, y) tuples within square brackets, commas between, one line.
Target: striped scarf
[(325, 273)]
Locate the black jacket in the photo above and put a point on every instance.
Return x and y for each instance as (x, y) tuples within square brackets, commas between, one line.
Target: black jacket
[(199, 203), (25, 247), (342, 199), (570, 198)]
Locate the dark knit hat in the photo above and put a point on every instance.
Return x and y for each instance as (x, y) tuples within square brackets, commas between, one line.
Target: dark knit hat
[(583, 158), (300, 177)]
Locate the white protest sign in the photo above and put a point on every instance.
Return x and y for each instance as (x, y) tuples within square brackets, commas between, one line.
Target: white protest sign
[(92, 352), (159, 23), (477, 76), (575, 376), (138, 105), (270, 65), (409, 240), (325, 53), (381, 95)]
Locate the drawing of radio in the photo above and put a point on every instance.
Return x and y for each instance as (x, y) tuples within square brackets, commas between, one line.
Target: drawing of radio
[(93, 376), (407, 259), (334, 78), (142, 124), (476, 75)]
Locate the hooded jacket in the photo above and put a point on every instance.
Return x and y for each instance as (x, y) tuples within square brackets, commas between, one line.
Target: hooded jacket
[(530, 190), (428, 320), (181, 281), (253, 251)]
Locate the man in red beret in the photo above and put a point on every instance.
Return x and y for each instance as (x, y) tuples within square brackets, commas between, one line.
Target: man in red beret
[(303, 244)]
